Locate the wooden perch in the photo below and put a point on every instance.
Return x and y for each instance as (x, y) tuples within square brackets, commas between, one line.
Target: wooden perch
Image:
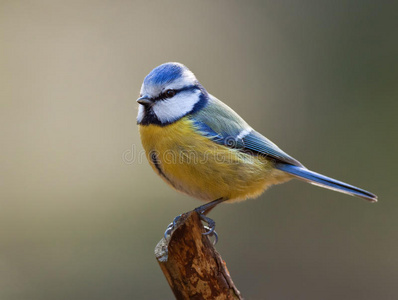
[(192, 266)]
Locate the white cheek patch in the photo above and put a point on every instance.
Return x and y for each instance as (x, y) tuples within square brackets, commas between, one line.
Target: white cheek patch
[(141, 113), (175, 108)]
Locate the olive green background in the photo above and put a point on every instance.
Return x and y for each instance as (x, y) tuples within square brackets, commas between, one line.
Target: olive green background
[(81, 212)]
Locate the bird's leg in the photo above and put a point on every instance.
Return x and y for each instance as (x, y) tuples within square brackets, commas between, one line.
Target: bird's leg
[(202, 210), (206, 208)]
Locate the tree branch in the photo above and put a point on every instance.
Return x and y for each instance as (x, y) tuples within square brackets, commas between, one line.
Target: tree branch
[(192, 266)]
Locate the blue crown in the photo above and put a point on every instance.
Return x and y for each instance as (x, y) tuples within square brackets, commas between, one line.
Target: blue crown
[(165, 74)]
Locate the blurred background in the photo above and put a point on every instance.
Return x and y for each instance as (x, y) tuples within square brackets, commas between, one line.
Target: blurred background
[(80, 213)]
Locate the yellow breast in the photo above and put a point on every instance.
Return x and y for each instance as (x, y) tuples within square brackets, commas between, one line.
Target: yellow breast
[(197, 166)]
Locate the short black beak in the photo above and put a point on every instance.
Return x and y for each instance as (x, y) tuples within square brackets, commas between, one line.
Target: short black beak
[(144, 100)]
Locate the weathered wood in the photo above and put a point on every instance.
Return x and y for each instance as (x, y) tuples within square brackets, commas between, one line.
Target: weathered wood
[(191, 265)]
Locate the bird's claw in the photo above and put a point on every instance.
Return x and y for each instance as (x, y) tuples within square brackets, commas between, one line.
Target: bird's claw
[(210, 227), (168, 230), (171, 226), (211, 232)]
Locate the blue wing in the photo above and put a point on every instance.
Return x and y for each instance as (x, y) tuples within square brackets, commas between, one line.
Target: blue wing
[(221, 124), (257, 143), (224, 126)]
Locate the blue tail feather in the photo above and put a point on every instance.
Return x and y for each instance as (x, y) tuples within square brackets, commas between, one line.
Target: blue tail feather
[(325, 182)]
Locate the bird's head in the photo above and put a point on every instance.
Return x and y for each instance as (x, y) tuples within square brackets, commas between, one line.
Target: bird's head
[(168, 93)]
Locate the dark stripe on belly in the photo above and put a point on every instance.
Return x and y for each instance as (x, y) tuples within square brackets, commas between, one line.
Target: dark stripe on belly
[(156, 163)]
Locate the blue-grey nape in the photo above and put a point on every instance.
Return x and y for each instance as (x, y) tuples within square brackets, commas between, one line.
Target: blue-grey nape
[(165, 73)]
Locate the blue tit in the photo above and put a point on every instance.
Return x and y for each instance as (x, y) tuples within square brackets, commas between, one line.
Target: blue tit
[(201, 147)]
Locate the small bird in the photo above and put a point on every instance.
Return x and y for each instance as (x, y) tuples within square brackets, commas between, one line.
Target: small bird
[(201, 147)]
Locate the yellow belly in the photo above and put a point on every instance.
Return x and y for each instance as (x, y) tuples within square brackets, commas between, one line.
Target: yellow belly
[(197, 166)]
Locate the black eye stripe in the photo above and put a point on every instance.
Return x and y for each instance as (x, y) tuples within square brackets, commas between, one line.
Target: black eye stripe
[(163, 95)]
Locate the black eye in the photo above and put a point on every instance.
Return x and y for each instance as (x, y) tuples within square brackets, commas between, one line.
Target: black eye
[(170, 93)]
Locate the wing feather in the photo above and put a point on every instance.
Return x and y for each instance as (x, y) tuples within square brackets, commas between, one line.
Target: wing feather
[(224, 126)]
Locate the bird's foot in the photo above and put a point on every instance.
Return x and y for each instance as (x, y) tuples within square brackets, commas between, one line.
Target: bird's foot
[(171, 226), (202, 211), (209, 227)]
